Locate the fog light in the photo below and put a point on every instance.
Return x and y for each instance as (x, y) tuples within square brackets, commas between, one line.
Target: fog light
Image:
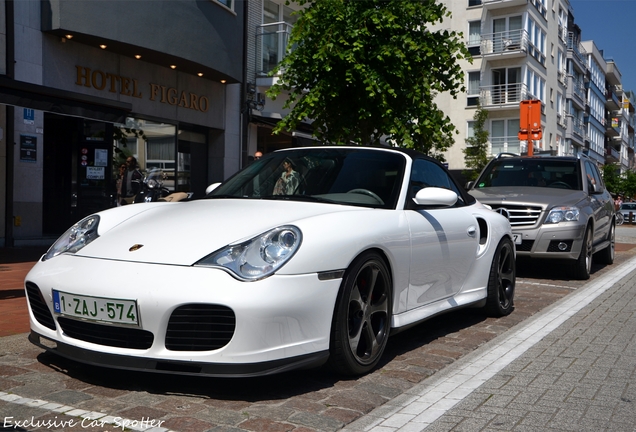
[(562, 246)]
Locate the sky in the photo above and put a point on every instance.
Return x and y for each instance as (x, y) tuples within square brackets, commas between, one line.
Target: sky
[(611, 25)]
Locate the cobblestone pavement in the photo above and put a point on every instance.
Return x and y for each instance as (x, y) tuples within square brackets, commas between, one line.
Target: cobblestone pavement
[(39, 387)]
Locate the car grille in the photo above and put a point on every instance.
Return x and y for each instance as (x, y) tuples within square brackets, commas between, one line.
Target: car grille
[(108, 335), (200, 327), (525, 246), (519, 215), (40, 310)]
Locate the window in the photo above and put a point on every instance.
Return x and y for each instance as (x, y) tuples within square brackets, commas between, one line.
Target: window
[(227, 3), (537, 41), (474, 32), (474, 3), (425, 173), (536, 85), (507, 33), (277, 24), (474, 37), (506, 86), (504, 136), (473, 88)]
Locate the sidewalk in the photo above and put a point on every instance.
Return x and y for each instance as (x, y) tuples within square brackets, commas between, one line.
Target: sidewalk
[(571, 367)]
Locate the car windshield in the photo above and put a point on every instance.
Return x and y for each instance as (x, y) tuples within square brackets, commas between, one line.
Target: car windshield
[(563, 174), (628, 206), (363, 177)]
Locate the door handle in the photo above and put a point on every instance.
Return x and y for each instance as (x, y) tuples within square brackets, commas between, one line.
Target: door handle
[(472, 230)]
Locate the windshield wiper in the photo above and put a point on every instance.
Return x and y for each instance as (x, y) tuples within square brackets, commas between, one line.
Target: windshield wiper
[(309, 198), (225, 196)]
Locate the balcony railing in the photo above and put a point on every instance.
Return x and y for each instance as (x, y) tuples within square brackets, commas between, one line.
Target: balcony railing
[(612, 153), (579, 89), (271, 45), (573, 46), (562, 76), (507, 41), (578, 127), (503, 94), (505, 144)]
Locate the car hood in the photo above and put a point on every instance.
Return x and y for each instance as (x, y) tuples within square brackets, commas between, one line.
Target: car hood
[(539, 196), (183, 233)]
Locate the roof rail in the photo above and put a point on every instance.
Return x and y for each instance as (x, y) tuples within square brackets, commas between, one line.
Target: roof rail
[(506, 155)]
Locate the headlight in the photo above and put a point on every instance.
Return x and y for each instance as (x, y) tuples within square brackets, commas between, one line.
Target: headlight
[(77, 236), (259, 257), (562, 214)]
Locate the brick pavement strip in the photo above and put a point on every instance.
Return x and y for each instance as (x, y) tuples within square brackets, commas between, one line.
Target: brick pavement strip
[(300, 401)]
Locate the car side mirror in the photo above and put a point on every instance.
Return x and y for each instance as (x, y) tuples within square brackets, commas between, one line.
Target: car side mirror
[(469, 185), (434, 196), (211, 187)]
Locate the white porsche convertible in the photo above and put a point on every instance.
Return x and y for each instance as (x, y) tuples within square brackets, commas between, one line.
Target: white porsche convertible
[(307, 256)]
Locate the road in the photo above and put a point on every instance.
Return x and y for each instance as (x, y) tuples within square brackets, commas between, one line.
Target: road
[(37, 386)]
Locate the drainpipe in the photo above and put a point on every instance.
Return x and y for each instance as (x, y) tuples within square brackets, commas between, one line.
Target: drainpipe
[(244, 113), (10, 126)]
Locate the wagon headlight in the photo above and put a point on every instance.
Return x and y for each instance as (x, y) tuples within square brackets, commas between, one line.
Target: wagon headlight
[(562, 214), (75, 238), (259, 257)]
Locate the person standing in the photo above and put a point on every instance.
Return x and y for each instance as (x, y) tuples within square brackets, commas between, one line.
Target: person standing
[(131, 183), (618, 202)]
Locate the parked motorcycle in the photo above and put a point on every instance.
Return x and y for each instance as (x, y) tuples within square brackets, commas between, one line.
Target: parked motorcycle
[(152, 188)]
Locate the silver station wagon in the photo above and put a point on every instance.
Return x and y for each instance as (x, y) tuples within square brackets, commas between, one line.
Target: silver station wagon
[(558, 207)]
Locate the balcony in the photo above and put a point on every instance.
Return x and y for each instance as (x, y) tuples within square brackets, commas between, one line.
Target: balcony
[(613, 127), (576, 92), (612, 102), (562, 76), (271, 45), (512, 43), (575, 130), (506, 144), (503, 95), (611, 154), (563, 34), (500, 4), (575, 53)]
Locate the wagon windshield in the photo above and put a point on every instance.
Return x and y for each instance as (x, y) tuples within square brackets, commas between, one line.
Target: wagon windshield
[(362, 177), (563, 174)]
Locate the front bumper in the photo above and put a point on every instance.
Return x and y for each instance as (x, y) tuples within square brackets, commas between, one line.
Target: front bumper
[(281, 322), (563, 240)]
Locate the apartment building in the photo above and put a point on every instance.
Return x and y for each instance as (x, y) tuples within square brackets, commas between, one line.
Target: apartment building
[(267, 33), (162, 80), (532, 50)]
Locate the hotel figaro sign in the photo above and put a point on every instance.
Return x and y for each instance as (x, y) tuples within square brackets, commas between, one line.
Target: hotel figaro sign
[(130, 87)]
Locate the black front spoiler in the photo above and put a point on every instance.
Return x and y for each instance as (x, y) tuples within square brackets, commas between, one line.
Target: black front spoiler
[(142, 364)]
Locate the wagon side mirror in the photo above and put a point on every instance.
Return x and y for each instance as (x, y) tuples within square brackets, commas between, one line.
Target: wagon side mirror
[(211, 187)]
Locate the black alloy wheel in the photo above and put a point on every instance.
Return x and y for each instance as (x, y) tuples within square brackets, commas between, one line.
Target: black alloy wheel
[(362, 317)]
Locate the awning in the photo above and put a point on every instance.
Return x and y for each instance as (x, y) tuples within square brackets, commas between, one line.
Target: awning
[(27, 95)]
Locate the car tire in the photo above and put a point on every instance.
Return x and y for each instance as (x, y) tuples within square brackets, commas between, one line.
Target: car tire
[(501, 281), (606, 256), (362, 316), (583, 265)]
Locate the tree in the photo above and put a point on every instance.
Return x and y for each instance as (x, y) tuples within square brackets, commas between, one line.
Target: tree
[(476, 153), (611, 179), (628, 184), (366, 70)]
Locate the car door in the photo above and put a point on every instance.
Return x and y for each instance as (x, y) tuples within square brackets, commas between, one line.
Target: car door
[(444, 241), (601, 202)]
